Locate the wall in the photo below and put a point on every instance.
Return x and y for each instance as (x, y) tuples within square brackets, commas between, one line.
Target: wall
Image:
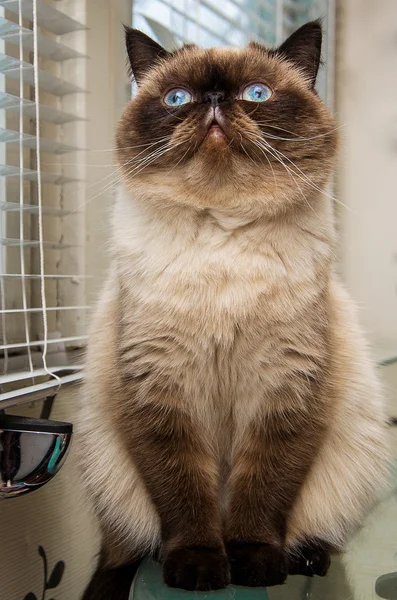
[(367, 111), (54, 517), (110, 88)]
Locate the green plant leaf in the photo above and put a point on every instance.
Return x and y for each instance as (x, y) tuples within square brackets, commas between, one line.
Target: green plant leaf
[(30, 596), (56, 575), (42, 552)]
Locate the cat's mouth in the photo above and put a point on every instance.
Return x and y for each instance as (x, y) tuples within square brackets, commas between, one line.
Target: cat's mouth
[(214, 129)]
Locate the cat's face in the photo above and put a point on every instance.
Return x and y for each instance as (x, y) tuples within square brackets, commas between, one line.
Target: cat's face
[(227, 127)]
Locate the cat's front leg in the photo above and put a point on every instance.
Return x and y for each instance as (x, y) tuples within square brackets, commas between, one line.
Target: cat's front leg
[(178, 467), (271, 461)]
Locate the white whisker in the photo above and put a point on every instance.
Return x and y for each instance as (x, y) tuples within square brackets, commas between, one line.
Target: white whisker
[(180, 160), (304, 177), (296, 137), (132, 147), (119, 175), (264, 149)]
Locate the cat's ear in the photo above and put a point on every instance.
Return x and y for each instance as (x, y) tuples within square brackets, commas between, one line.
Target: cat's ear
[(143, 52), (303, 48)]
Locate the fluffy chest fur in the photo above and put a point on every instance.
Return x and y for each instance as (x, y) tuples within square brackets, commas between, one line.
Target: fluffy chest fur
[(216, 271), (223, 308)]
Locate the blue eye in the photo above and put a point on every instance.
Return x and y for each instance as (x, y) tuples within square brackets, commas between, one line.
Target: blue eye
[(177, 97), (256, 92)]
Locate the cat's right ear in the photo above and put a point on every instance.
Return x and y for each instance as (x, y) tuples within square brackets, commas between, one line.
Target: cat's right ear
[(143, 52), (303, 48)]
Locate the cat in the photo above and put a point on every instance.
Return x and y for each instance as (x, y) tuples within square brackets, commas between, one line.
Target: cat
[(233, 424)]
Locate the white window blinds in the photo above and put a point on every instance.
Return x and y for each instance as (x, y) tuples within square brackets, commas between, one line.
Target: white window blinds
[(42, 299)]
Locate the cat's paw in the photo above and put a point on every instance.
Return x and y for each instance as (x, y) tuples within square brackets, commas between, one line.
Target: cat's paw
[(196, 568), (256, 564), (310, 559)]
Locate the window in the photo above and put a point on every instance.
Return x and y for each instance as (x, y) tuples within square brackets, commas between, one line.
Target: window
[(42, 276), (235, 22), (50, 238)]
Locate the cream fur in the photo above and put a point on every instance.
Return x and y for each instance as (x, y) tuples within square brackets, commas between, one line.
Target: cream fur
[(218, 293)]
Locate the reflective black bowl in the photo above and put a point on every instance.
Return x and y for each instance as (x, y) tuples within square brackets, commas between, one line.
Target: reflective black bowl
[(31, 452)]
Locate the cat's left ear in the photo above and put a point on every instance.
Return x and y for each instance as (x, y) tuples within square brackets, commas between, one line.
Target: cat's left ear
[(303, 48), (143, 52)]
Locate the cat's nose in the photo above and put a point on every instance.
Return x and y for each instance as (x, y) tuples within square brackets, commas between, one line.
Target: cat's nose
[(214, 98)]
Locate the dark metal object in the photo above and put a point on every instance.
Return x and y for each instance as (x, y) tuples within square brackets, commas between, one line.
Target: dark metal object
[(31, 452)]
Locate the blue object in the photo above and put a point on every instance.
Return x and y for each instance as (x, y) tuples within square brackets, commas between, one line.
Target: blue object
[(148, 585)]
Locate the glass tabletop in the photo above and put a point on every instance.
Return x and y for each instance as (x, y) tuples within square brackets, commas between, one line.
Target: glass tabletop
[(368, 568), (385, 353), (148, 585), (366, 571)]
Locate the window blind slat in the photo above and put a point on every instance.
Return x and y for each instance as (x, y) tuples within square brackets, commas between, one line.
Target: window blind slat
[(10, 67), (51, 115), (48, 48), (74, 277), (48, 17), (34, 209), (60, 340), (9, 136), (24, 375), (39, 390), (10, 242), (31, 175), (11, 311)]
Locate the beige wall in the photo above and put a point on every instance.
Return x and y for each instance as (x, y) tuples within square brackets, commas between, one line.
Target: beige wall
[(55, 517), (110, 90), (367, 111)]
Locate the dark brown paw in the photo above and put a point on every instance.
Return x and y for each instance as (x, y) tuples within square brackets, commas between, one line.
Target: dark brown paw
[(310, 559), (196, 568), (256, 564)]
